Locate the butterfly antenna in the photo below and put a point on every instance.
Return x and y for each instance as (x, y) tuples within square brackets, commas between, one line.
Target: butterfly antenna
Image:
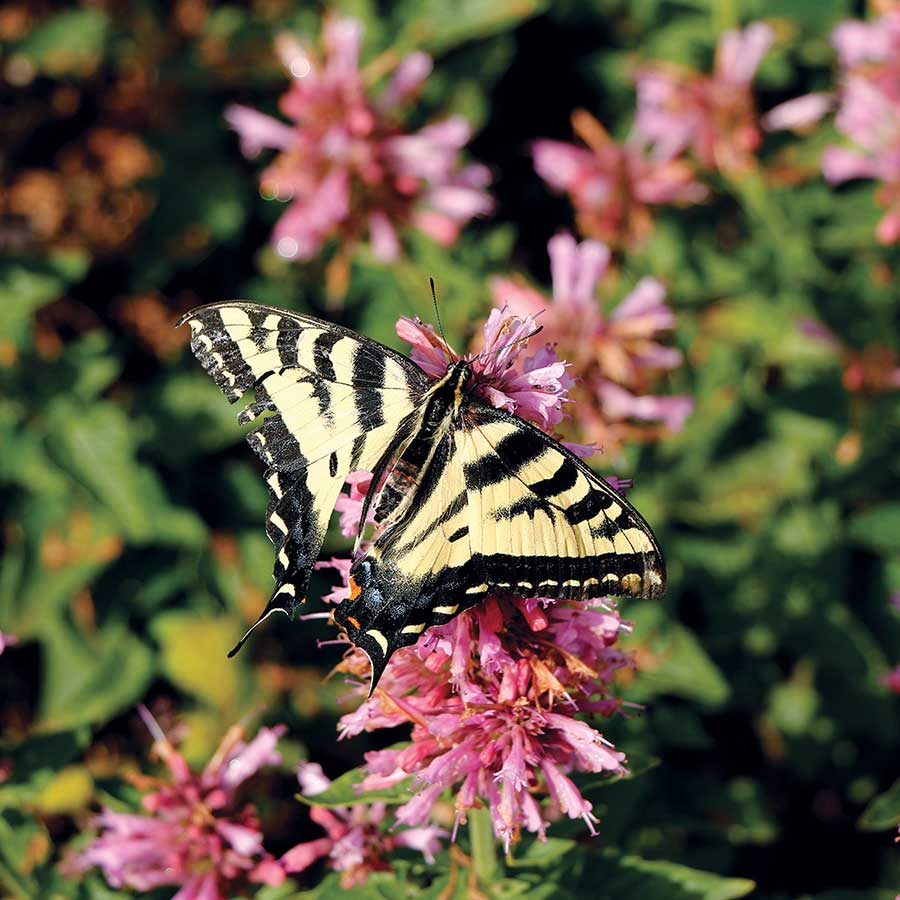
[(437, 311)]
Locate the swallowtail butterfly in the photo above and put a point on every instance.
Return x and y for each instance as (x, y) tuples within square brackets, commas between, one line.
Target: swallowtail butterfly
[(473, 500)]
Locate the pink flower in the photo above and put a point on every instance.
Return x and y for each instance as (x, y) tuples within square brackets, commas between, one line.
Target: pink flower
[(612, 186), (614, 356), (868, 113), (891, 680), (346, 166), (492, 698), (193, 833), (356, 842), (7, 640), (532, 386), (714, 116)]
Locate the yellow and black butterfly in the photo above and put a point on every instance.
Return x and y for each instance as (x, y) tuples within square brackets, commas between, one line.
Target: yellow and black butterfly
[(473, 500)]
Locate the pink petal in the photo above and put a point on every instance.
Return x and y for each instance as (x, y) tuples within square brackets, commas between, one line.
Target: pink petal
[(245, 841), (406, 80), (257, 131), (342, 39), (888, 230), (840, 164), (740, 52), (458, 202), (646, 300), (383, 237), (438, 226), (559, 164), (312, 779), (799, 113), (427, 840), (267, 872), (250, 758), (517, 298), (201, 887), (304, 855)]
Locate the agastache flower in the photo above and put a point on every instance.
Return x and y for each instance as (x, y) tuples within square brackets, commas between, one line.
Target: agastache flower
[(345, 164), (532, 386), (356, 843), (613, 357), (492, 698), (612, 185), (194, 834), (868, 113), (714, 116)]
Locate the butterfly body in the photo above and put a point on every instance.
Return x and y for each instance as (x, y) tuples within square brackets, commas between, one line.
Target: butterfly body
[(469, 500)]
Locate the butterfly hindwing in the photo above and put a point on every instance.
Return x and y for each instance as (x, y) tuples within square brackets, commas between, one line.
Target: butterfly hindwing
[(327, 401), (500, 507)]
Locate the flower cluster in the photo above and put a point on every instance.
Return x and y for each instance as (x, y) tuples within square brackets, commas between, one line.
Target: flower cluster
[(712, 116), (493, 695), (197, 836), (492, 699), (614, 357), (194, 834), (356, 844), (613, 185), (868, 112), (345, 164)]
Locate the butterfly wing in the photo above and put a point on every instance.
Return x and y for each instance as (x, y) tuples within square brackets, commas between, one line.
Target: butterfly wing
[(501, 508), (327, 401)]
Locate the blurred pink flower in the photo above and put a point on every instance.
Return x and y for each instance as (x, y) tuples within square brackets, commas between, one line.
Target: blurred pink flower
[(492, 699), (868, 112), (7, 640), (612, 186), (194, 834), (613, 357), (357, 843), (714, 116), (891, 680), (345, 164), (870, 118)]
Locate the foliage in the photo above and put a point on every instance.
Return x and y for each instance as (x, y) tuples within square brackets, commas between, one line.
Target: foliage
[(132, 545)]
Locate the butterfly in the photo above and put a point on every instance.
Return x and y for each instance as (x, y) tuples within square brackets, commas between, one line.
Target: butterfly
[(469, 500)]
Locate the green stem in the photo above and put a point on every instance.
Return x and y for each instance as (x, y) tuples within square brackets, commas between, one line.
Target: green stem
[(484, 846)]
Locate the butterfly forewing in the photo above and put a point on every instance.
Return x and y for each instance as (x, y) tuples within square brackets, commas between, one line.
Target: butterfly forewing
[(327, 402)]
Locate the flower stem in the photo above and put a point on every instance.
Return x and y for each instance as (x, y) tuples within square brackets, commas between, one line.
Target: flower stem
[(484, 846)]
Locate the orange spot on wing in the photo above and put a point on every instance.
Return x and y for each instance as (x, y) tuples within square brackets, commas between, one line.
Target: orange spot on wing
[(355, 589), (354, 622)]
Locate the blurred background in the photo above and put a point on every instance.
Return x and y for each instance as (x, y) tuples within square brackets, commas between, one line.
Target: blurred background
[(133, 548)]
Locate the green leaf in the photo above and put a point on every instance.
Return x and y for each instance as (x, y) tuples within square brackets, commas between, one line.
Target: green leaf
[(343, 792), (663, 879), (90, 680), (35, 761), (27, 285), (877, 528), (678, 663), (884, 811), (194, 656), (68, 42)]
